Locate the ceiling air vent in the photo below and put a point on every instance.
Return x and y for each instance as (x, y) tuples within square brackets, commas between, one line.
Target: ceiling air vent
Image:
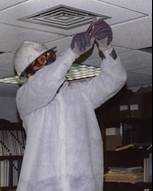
[(63, 17)]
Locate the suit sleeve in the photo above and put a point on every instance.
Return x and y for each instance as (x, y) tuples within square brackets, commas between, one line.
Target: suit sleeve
[(100, 89), (43, 86)]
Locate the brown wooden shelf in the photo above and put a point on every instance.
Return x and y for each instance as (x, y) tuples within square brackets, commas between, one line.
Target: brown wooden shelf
[(135, 120), (125, 158), (114, 186)]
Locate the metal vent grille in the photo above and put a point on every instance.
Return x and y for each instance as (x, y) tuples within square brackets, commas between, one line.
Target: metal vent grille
[(63, 17)]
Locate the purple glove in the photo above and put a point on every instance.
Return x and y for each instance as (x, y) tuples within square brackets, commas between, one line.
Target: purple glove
[(81, 43), (101, 30)]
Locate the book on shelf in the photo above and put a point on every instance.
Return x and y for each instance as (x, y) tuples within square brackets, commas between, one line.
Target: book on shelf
[(148, 169), (113, 138), (132, 174), (12, 146), (12, 142), (4, 173), (9, 173)]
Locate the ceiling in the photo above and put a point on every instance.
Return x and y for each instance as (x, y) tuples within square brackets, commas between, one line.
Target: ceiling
[(131, 21)]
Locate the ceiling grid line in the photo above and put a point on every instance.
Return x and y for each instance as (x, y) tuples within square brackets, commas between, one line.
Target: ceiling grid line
[(13, 25), (123, 7), (128, 21), (12, 6)]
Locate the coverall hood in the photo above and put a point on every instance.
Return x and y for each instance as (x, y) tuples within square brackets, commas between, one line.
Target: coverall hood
[(27, 53)]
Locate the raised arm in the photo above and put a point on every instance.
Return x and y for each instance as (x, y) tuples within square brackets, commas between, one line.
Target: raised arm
[(100, 89), (41, 88), (113, 76), (45, 83)]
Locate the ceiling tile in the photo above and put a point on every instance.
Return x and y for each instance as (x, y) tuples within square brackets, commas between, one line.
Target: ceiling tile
[(7, 90), (117, 14), (145, 71), (6, 65), (121, 50), (11, 37), (134, 34), (138, 79), (135, 59), (4, 4), (139, 67), (144, 6)]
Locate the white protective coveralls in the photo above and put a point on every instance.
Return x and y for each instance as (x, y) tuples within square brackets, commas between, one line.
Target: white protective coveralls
[(64, 149)]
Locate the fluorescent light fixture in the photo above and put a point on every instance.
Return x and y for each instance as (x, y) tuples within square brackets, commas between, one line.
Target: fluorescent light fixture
[(78, 71), (11, 80)]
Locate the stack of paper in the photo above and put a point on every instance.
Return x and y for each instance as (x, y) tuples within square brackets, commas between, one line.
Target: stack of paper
[(125, 175)]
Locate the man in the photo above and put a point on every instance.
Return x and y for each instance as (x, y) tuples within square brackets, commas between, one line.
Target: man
[(64, 146)]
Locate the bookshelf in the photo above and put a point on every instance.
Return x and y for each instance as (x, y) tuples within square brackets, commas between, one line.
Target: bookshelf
[(12, 143), (127, 120)]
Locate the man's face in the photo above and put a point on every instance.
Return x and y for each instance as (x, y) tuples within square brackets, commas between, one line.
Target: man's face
[(40, 63), (45, 59)]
